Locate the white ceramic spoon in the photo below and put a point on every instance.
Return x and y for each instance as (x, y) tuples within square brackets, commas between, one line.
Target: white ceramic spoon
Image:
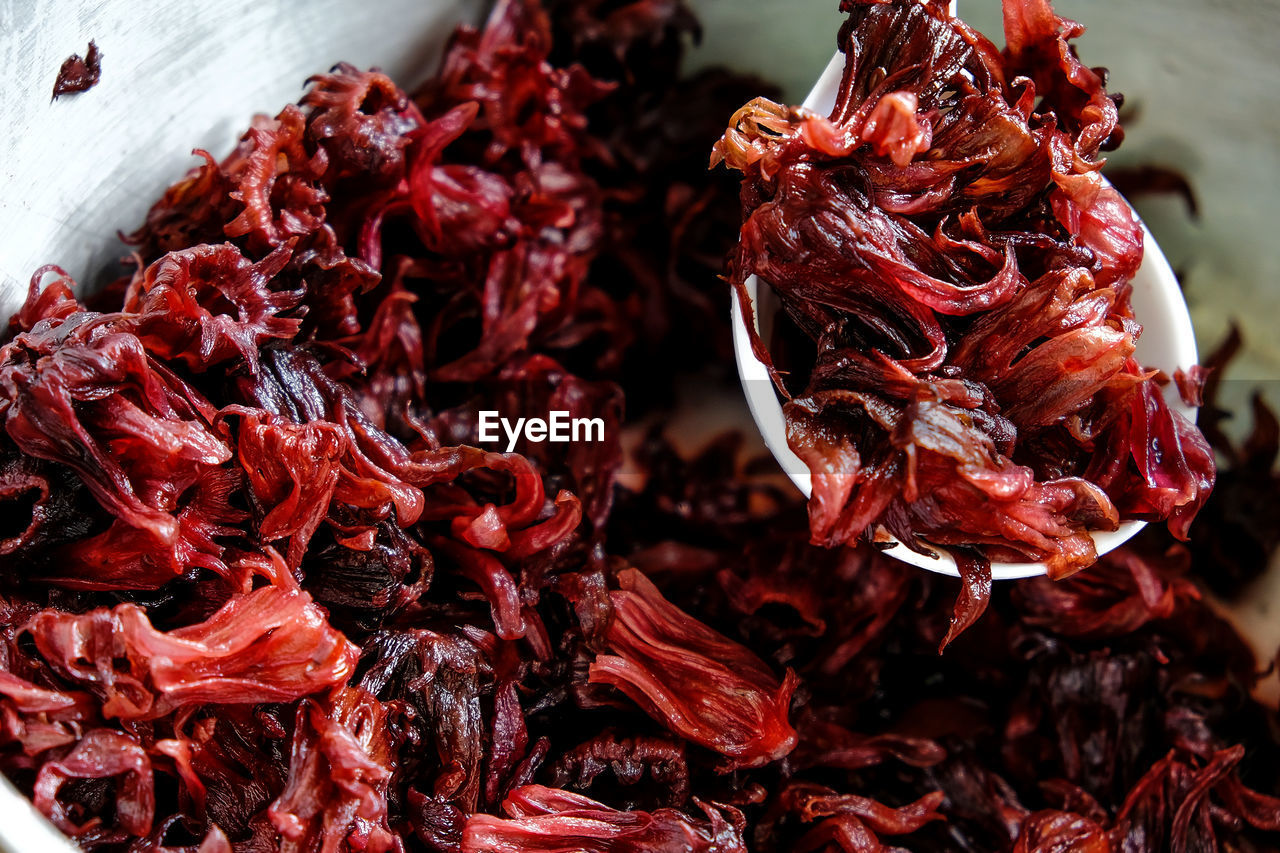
[(1167, 342)]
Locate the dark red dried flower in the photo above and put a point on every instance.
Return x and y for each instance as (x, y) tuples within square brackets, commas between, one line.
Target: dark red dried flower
[(101, 754), (339, 772), (545, 820), (270, 644), (702, 685), (79, 73)]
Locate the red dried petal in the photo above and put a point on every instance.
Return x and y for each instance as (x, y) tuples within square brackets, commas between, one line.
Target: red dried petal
[(700, 684), (209, 304), (292, 471), (553, 821), (339, 772), (1061, 832), (895, 130), (268, 645), (101, 754)]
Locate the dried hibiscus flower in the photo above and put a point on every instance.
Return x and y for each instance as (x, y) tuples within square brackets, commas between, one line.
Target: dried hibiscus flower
[(705, 687), (544, 819), (79, 73)]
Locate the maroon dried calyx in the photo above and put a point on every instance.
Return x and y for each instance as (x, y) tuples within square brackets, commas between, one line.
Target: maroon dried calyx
[(101, 754), (79, 73), (339, 772), (269, 644), (700, 684), (83, 391), (546, 819)]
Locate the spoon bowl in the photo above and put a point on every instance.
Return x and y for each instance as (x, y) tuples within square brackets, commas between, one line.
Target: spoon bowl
[(1167, 342)]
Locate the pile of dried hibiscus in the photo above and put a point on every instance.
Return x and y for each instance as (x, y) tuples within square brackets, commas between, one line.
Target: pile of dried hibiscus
[(259, 591), (946, 243)]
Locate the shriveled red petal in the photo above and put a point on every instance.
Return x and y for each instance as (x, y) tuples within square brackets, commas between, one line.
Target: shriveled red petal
[(101, 754), (700, 684), (339, 773), (272, 644), (548, 820)]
